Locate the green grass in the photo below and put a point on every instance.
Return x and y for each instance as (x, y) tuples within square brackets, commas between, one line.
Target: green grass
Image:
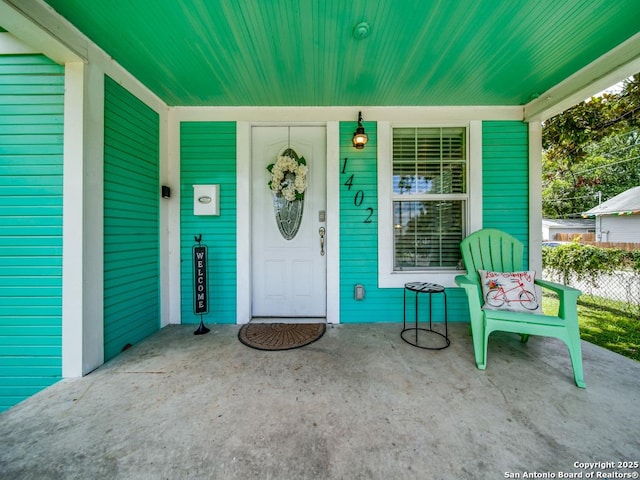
[(604, 322)]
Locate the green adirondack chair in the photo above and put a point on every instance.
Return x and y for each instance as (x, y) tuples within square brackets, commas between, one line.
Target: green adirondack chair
[(497, 251)]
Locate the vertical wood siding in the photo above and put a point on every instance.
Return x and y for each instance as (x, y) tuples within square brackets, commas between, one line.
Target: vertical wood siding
[(131, 220), (208, 156), (505, 171), (31, 167)]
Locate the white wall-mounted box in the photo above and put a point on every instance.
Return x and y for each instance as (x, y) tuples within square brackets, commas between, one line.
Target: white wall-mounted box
[(206, 199)]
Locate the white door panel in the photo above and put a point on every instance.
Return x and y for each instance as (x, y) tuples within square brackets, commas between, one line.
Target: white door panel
[(289, 276)]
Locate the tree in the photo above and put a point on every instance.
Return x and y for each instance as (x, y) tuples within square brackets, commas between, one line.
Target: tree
[(590, 148)]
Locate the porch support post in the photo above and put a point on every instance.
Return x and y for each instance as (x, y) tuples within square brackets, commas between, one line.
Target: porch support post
[(82, 265), (243, 222), (476, 219), (170, 219), (535, 197), (333, 222)]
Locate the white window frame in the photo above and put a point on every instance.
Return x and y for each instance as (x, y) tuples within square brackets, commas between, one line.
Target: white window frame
[(387, 277)]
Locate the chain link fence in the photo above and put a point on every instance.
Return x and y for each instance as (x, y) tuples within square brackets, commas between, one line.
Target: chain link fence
[(619, 290)]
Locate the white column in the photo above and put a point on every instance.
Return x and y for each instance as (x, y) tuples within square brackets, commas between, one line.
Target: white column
[(476, 221), (535, 197), (165, 219), (83, 252), (72, 221), (243, 222), (93, 308), (171, 218), (333, 222)]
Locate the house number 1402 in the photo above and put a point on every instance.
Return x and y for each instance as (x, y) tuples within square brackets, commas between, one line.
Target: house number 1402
[(358, 198)]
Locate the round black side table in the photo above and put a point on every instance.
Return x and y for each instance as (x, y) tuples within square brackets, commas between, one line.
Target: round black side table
[(431, 289)]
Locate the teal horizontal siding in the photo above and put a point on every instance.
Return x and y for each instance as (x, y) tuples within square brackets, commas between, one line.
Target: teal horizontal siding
[(31, 179), (208, 156), (131, 220), (29, 120), (359, 244), (505, 178), (359, 240), (31, 109)]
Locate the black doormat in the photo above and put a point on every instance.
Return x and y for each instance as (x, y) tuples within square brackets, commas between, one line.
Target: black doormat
[(280, 336)]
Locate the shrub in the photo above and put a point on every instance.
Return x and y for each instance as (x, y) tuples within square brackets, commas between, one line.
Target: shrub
[(586, 262)]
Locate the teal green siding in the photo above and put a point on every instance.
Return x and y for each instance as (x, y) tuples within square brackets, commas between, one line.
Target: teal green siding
[(359, 244), (131, 220), (359, 240), (31, 177), (505, 178), (208, 156)]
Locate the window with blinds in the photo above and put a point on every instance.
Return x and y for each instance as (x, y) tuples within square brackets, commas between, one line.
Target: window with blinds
[(429, 197)]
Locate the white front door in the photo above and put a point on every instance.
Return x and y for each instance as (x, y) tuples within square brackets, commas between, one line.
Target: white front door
[(289, 276)]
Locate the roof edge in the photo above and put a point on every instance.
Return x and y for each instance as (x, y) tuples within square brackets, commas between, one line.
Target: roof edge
[(605, 71)]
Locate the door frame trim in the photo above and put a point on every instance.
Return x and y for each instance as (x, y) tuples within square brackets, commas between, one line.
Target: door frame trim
[(244, 280)]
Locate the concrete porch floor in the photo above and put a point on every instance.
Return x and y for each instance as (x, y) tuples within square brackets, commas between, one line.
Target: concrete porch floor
[(357, 404)]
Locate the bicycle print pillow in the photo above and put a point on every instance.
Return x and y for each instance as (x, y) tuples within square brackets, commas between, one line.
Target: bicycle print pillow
[(512, 291)]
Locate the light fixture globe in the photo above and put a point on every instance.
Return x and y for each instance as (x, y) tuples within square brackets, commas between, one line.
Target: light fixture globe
[(360, 138)]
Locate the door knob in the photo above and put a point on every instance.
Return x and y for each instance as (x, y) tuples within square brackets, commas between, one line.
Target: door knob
[(321, 232)]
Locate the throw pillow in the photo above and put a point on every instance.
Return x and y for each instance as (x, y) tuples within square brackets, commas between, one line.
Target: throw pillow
[(513, 291)]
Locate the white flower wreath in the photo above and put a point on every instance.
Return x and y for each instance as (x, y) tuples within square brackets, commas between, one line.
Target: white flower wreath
[(288, 177)]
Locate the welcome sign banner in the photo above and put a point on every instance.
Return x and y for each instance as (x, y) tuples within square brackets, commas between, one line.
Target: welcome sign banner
[(200, 287)]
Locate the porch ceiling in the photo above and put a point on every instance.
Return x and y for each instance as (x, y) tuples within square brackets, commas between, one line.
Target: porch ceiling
[(292, 53)]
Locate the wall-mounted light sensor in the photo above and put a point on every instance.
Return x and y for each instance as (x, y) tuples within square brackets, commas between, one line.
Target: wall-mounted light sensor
[(358, 291)]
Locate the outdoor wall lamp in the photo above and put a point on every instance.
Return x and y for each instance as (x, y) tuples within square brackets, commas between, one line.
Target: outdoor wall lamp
[(359, 137)]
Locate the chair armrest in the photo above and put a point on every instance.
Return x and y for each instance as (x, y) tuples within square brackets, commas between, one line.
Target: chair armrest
[(567, 296), (472, 290), (464, 282), (561, 290)]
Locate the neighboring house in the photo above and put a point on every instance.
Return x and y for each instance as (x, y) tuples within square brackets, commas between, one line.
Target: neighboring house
[(618, 219), (102, 103), (570, 226)]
